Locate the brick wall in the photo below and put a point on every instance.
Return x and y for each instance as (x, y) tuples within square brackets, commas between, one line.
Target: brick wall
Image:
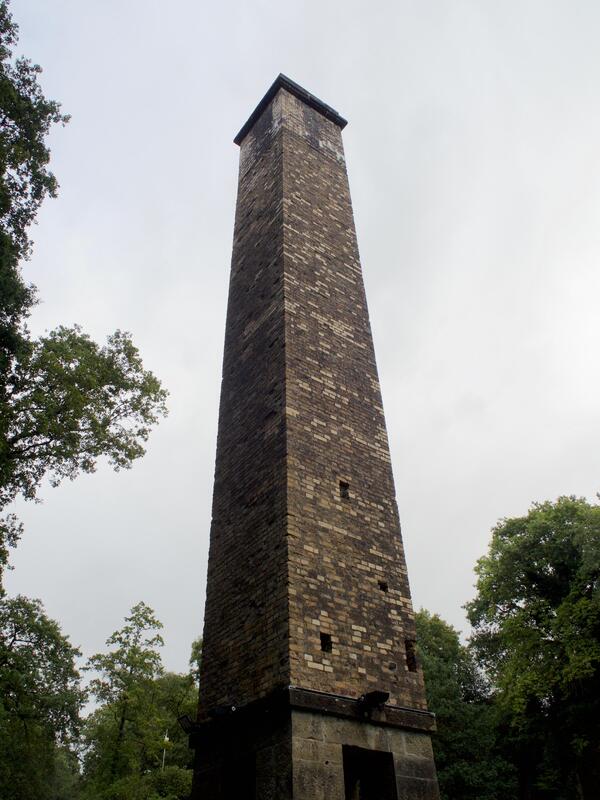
[(305, 537), (246, 618)]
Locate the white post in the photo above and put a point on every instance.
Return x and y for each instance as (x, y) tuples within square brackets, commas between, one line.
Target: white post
[(166, 739)]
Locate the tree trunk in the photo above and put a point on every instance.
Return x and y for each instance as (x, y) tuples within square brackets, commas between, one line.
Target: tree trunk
[(118, 742)]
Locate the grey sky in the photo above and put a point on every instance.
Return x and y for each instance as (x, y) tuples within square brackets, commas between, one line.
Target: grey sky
[(472, 150)]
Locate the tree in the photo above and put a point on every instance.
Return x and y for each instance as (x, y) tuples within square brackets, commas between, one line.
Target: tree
[(536, 619), (125, 675), (124, 739), (64, 401), (466, 747), (25, 180), (40, 701), (195, 658), (68, 402)]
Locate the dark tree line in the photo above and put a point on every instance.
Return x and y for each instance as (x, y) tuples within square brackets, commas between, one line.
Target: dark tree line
[(519, 706), (129, 747)]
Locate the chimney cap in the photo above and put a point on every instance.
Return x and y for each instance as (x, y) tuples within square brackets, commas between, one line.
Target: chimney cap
[(283, 82)]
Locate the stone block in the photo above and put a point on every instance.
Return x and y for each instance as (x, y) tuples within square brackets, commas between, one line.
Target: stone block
[(414, 767), (418, 744), (417, 789), (307, 725)]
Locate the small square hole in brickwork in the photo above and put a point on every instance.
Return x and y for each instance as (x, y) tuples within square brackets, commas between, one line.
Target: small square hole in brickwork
[(344, 490), (383, 586), (411, 655), (326, 644)]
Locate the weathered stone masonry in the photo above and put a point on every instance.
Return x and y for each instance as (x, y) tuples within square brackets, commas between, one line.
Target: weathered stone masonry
[(307, 583)]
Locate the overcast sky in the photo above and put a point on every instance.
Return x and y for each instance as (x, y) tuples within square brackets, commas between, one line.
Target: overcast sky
[(473, 156)]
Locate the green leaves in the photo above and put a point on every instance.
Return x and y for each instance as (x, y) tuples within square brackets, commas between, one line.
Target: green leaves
[(467, 755), (25, 120), (124, 738), (536, 622), (40, 701), (538, 596), (26, 117), (65, 401), (38, 677), (134, 659), (70, 402), (195, 659), (536, 637)]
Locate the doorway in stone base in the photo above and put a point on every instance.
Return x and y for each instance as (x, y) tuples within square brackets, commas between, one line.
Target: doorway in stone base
[(368, 774)]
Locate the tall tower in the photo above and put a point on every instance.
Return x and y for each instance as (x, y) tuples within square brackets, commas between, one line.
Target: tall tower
[(310, 688)]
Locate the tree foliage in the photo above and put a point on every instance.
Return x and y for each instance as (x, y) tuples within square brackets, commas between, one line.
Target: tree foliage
[(130, 747), (134, 658), (466, 746), (64, 400), (26, 117), (70, 402), (195, 658), (536, 619), (40, 701), (125, 738)]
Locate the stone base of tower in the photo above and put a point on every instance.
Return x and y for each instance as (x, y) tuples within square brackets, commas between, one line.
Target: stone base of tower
[(338, 751), (343, 759)]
